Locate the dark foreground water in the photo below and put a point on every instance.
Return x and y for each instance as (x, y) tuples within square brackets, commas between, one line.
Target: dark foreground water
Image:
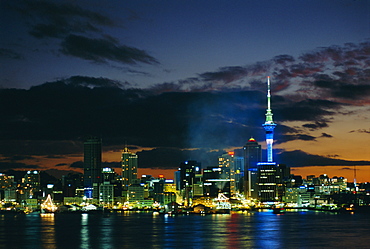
[(146, 230)]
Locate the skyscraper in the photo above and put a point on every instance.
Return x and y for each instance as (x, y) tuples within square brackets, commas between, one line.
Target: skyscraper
[(92, 166), (252, 155), (227, 161), (129, 167), (188, 171)]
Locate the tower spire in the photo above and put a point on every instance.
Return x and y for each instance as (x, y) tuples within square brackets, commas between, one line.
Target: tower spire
[(268, 110), (269, 124)]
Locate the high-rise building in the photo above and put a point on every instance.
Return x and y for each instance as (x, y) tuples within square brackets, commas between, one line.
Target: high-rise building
[(252, 155), (216, 180), (129, 163), (32, 184), (188, 171), (227, 161), (92, 166)]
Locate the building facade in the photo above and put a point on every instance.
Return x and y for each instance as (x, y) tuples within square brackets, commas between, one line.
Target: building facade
[(92, 166), (252, 156), (129, 163)]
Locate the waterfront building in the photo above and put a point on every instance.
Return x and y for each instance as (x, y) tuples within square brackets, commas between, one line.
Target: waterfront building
[(227, 161), (216, 180), (187, 173), (239, 173), (92, 166), (6, 181), (106, 193), (252, 155), (129, 163), (187, 170)]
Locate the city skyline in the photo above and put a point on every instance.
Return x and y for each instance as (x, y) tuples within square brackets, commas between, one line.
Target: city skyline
[(166, 77)]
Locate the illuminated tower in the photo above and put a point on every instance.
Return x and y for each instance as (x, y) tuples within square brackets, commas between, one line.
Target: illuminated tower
[(269, 125), (129, 167)]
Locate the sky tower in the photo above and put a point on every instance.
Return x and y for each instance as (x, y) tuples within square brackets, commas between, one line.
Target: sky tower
[(269, 124)]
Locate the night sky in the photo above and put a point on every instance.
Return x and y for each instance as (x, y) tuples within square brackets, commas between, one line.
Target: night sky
[(179, 80)]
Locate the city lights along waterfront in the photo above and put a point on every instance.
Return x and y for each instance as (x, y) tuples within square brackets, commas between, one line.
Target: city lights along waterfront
[(184, 124)]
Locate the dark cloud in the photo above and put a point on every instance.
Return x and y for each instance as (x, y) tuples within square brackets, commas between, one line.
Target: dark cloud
[(283, 59), (6, 53), (304, 137), (326, 135), (93, 82), (9, 165), (103, 50), (344, 90), (316, 125), (78, 165), (299, 158), (305, 110), (79, 31), (60, 164), (19, 158), (225, 74), (51, 19), (361, 131)]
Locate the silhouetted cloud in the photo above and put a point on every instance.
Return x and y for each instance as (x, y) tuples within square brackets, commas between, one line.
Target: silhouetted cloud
[(78, 164), (316, 125), (298, 158), (286, 138), (361, 131), (52, 19), (10, 165), (103, 50), (60, 164), (326, 135), (79, 31)]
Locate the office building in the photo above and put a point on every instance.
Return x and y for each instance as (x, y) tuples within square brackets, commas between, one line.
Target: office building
[(92, 166), (252, 155), (129, 163), (227, 161), (216, 180)]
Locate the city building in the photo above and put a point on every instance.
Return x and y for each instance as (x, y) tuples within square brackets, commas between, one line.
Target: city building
[(216, 180), (252, 155), (227, 161), (32, 184), (92, 166), (129, 163), (188, 171)]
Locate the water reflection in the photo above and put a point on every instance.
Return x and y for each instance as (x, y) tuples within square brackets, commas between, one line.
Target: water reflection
[(47, 231), (268, 230), (145, 230), (84, 234)]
